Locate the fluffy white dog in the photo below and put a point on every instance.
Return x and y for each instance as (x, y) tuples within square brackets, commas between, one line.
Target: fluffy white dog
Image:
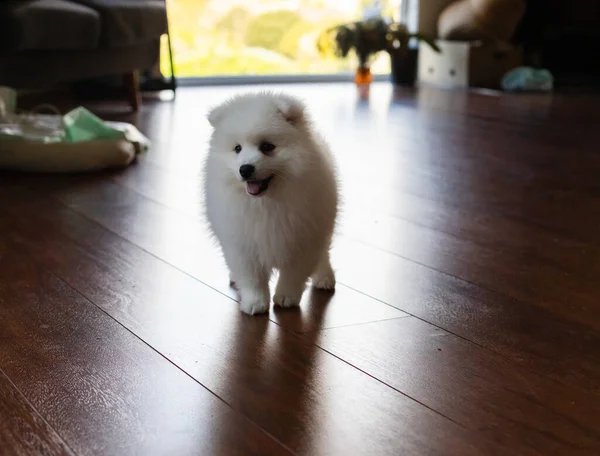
[(271, 198)]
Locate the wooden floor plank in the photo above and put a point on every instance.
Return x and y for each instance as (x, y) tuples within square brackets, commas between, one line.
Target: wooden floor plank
[(22, 430), (309, 400), (514, 274), (101, 388), (487, 393), (526, 334), (488, 229)]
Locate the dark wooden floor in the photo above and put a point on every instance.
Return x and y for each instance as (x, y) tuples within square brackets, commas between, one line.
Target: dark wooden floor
[(467, 319)]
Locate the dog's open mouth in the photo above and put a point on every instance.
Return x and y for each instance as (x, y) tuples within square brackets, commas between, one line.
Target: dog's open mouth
[(257, 187)]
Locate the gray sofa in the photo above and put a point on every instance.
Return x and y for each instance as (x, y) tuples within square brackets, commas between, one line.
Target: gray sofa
[(45, 42)]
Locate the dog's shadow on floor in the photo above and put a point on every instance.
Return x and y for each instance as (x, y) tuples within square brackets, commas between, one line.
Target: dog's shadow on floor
[(311, 314), (274, 372)]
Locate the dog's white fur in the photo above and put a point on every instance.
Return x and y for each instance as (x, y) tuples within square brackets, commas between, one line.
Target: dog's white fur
[(289, 227)]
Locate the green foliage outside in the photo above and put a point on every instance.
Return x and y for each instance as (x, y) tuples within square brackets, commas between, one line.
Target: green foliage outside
[(268, 30), (249, 39)]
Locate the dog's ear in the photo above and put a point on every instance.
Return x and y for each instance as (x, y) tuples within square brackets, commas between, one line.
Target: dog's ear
[(216, 114), (291, 109)]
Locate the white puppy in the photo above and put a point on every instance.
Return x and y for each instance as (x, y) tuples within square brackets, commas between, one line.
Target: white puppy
[(271, 198)]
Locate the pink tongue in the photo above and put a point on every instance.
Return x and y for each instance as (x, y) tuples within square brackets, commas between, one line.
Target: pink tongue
[(253, 188)]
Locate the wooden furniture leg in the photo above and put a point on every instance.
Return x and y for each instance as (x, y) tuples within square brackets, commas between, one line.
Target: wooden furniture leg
[(132, 85)]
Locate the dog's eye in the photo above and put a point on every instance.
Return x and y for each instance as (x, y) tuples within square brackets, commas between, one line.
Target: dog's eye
[(266, 147), (237, 149)]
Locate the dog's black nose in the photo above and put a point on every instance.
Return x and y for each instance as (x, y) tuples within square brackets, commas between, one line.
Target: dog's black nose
[(246, 171)]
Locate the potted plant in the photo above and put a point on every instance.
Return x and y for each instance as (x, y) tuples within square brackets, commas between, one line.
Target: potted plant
[(369, 37)]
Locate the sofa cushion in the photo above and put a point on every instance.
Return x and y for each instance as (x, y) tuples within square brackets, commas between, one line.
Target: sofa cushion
[(47, 25), (129, 22)]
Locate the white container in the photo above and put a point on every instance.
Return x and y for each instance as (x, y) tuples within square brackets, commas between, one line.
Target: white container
[(463, 64)]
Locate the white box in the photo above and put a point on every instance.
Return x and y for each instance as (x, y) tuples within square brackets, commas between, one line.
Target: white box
[(463, 64)]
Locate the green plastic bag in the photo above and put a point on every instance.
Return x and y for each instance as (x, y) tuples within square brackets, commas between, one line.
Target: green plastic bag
[(81, 125)]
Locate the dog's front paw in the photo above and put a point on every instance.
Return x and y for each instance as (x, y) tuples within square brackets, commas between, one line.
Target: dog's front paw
[(324, 282), (285, 301), (254, 306), (254, 302)]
